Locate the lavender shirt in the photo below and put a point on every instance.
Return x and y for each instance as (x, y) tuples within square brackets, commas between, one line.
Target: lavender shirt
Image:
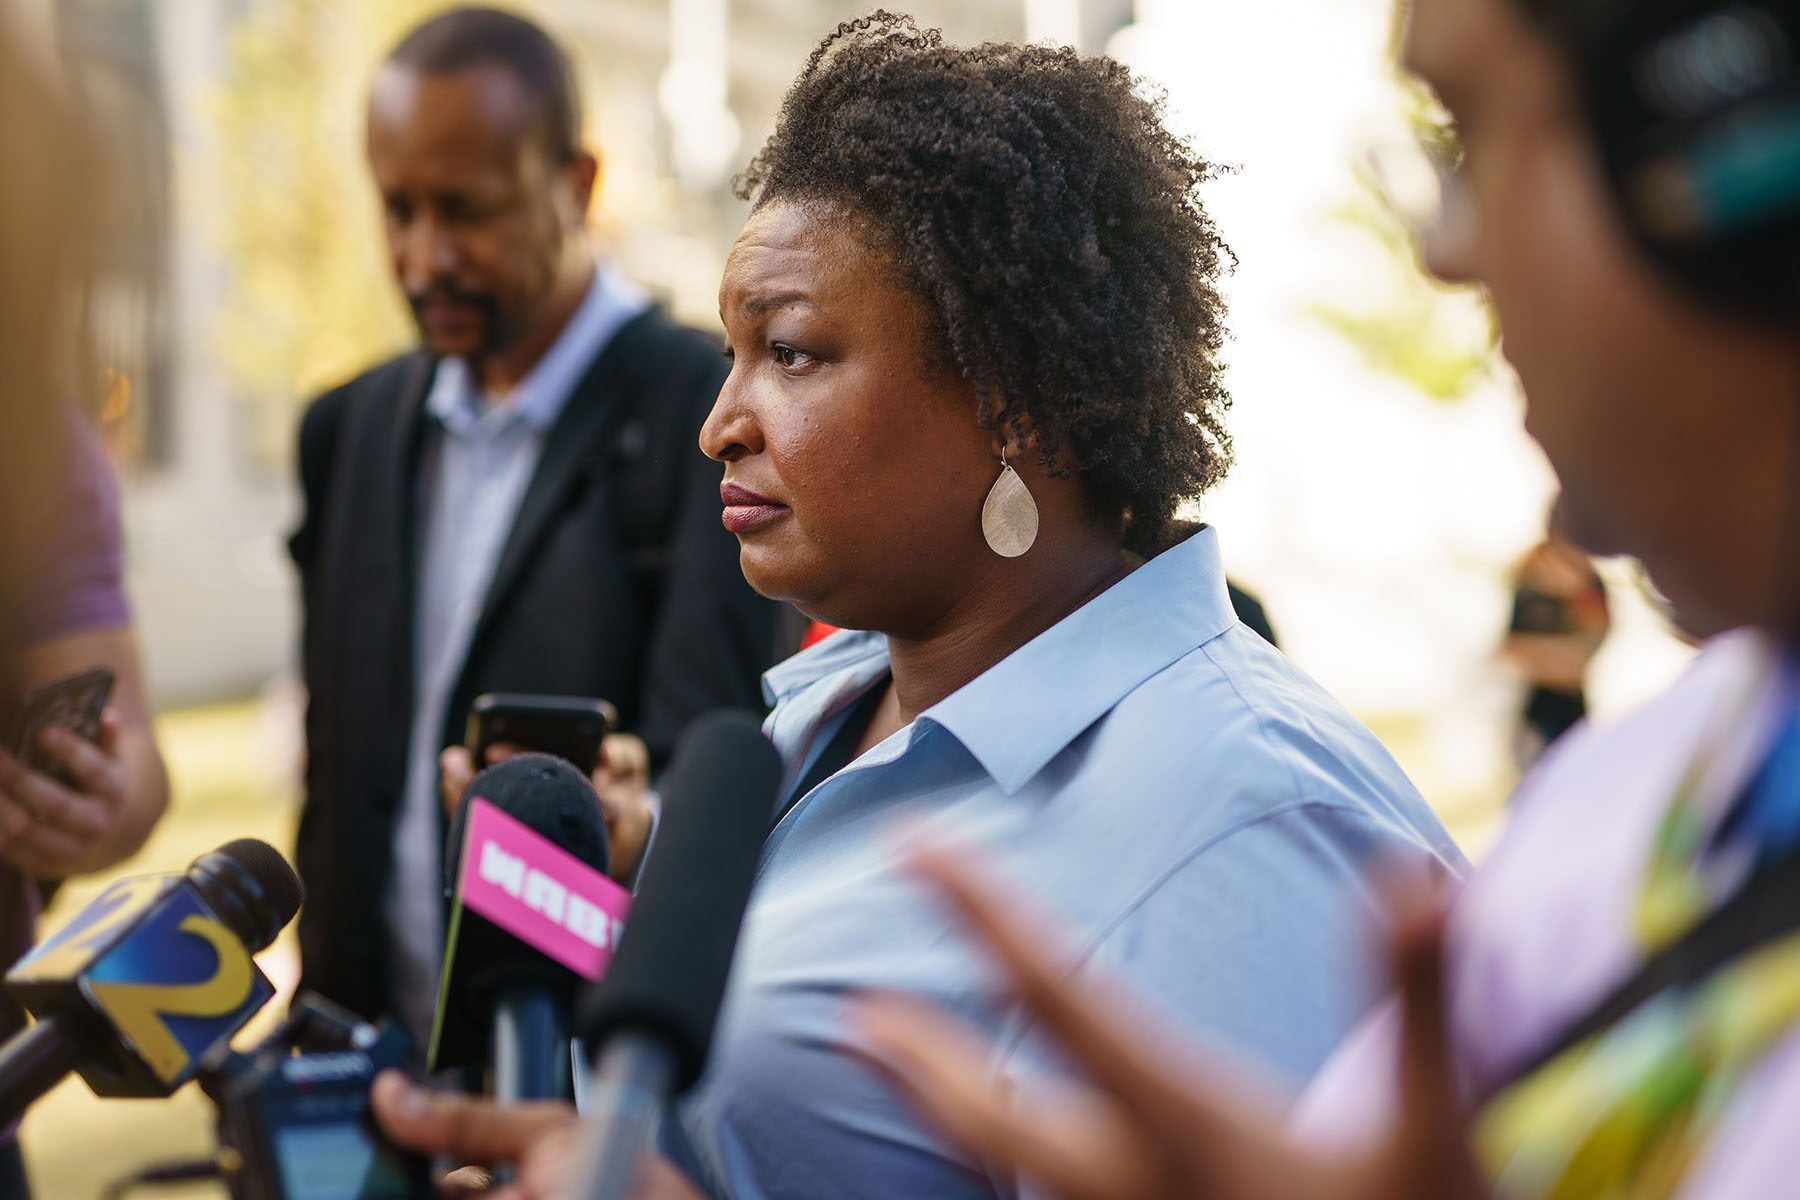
[(1542, 933), (77, 586)]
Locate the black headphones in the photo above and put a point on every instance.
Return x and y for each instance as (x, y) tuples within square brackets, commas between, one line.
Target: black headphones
[(1695, 107)]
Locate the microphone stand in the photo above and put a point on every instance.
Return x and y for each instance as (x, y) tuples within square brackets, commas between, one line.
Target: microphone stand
[(531, 1044), (34, 1060)]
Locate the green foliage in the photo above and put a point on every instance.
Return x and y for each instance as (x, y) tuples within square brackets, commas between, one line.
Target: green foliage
[(1411, 327), (297, 225)]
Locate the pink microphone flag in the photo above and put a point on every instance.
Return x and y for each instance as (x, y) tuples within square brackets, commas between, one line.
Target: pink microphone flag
[(539, 892)]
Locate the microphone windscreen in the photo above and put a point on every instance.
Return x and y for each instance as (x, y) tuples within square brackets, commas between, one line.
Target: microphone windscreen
[(669, 975), (544, 793), (525, 942), (251, 886)]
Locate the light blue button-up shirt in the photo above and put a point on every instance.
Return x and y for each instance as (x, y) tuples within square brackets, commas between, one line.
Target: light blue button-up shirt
[(479, 462), (1194, 813)]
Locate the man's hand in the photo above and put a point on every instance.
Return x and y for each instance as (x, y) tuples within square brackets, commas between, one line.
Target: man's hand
[(1146, 1128), (52, 829), (539, 1138), (622, 779)]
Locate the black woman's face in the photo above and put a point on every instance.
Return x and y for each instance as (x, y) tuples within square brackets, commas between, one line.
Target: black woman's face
[(840, 414)]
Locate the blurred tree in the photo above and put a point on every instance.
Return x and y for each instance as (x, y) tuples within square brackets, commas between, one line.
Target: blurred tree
[(1413, 329), (309, 299), (1438, 339)]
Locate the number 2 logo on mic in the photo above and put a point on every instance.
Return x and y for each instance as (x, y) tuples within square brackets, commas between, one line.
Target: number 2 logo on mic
[(173, 985)]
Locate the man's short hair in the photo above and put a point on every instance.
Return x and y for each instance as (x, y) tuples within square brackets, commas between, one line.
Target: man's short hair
[(463, 38)]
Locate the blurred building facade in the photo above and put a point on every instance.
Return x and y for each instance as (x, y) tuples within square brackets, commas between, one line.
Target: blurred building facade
[(243, 271)]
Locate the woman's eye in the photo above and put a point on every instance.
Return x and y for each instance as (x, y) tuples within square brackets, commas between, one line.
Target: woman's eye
[(789, 357)]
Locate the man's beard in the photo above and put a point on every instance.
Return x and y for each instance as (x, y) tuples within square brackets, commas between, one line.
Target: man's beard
[(495, 331)]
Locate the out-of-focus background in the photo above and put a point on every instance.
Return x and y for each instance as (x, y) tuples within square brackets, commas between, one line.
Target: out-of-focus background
[(1385, 490)]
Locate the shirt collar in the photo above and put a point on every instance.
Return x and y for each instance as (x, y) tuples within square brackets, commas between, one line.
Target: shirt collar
[(1023, 711), (840, 653), (544, 392)]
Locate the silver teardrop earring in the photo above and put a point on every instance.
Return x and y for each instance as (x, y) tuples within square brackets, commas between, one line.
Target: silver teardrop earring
[(1009, 518)]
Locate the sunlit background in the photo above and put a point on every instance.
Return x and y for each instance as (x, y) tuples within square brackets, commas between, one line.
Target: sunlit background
[(1384, 489)]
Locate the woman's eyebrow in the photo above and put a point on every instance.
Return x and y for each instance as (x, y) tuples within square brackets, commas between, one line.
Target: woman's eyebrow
[(756, 306)]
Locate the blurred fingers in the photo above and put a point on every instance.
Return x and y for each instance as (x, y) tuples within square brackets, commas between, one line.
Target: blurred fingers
[(1092, 1025), (456, 768), (460, 1126), (615, 802), (95, 772), (51, 805), (624, 759), (110, 725), (465, 1183), (947, 1073), (15, 818), (1416, 960), (1431, 1140)]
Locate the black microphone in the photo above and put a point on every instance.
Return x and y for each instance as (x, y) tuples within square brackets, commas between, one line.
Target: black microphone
[(148, 979), (652, 1019), (524, 869)]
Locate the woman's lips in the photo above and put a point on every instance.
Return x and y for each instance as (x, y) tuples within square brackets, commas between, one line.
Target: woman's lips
[(745, 511), (745, 518)]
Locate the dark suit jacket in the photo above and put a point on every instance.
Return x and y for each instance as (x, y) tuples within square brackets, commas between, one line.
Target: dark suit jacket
[(617, 580)]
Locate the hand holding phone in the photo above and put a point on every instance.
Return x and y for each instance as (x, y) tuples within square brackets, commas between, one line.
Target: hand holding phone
[(570, 727), (574, 729), (62, 786), (75, 704)]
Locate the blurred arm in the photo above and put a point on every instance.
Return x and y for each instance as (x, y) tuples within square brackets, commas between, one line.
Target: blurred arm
[(121, 782)]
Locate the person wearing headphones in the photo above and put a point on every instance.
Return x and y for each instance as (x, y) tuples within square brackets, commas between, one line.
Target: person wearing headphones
[(1612, 1006)]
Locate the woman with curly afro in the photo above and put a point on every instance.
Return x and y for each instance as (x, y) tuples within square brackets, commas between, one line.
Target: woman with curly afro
[(975, 329)]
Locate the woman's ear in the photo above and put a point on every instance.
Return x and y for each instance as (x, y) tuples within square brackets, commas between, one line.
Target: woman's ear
[(1014, 443)]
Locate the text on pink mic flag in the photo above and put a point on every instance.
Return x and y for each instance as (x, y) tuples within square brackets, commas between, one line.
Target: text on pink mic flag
[(539, 892)]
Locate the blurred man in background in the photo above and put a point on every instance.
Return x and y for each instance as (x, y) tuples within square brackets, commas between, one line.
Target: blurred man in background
[(519, 505)]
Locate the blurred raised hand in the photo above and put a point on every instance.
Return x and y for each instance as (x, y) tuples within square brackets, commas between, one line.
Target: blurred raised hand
[(70, 806), (538, 1139), (1145, 1124)]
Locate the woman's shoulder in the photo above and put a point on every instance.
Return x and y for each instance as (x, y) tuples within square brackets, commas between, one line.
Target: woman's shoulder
[(1240, 723), (1237, 687)]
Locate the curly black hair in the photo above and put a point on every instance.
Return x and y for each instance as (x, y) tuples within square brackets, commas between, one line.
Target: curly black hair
[(1036, 201)]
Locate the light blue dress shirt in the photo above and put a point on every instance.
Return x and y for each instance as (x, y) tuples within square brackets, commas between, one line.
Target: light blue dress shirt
[(1194, 813), (477, 467)]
